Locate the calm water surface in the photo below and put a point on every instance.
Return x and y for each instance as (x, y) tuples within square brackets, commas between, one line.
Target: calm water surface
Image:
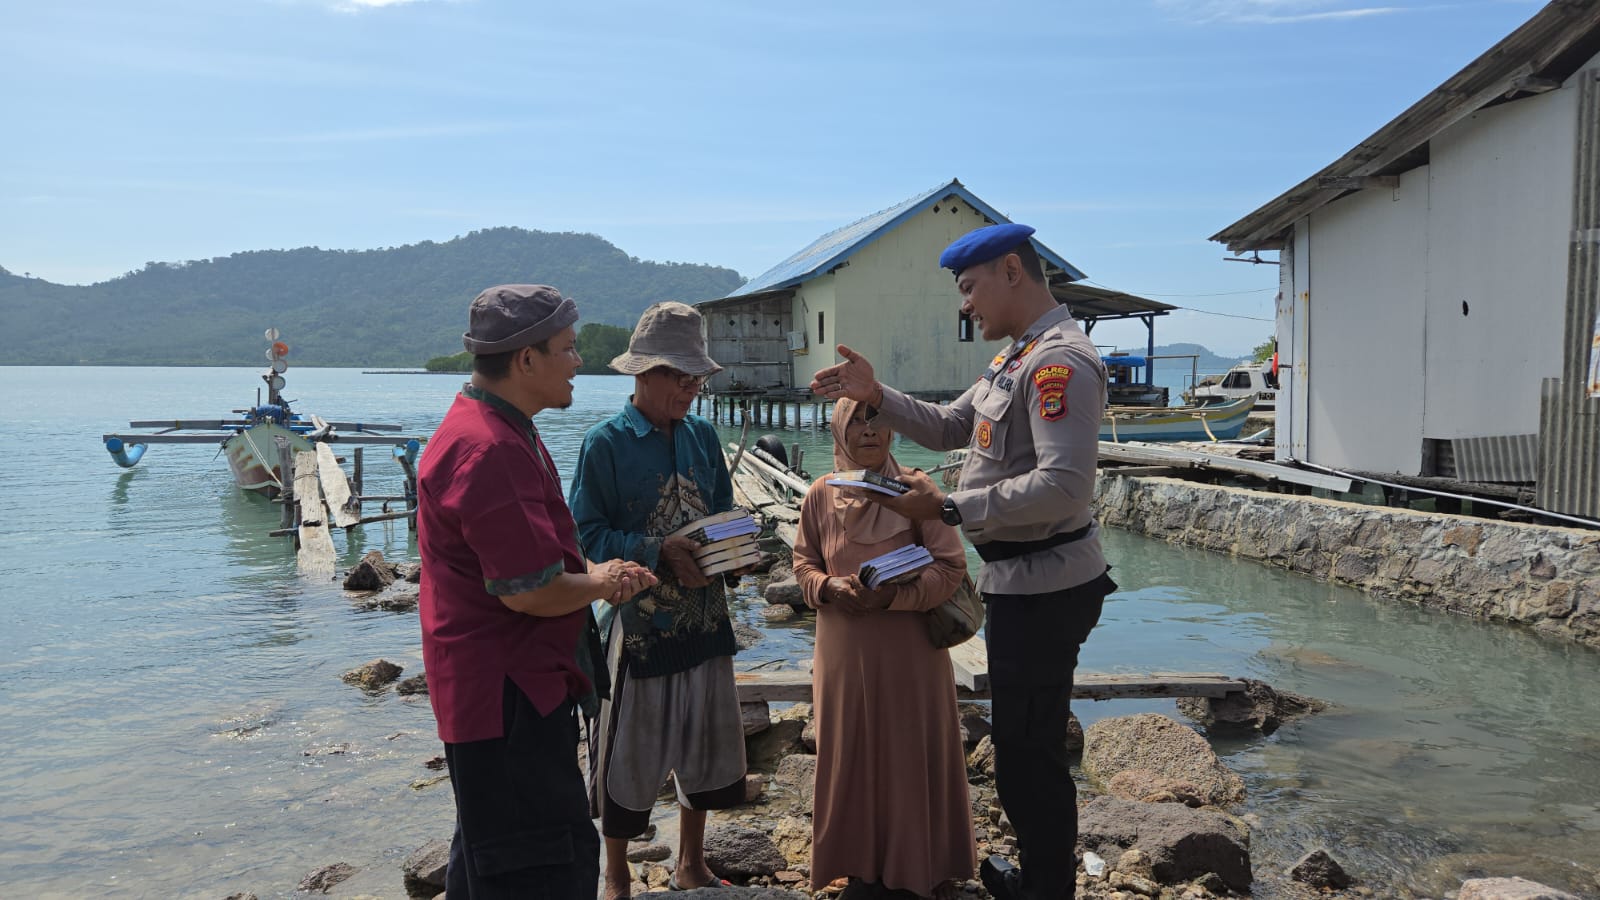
[(170, 702)]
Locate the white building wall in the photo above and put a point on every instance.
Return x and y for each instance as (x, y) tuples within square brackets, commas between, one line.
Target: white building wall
[(1499, 231), (1367, 270), (1388, 356)]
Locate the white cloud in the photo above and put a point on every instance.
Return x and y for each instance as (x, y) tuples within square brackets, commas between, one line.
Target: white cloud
[(1270, 12)]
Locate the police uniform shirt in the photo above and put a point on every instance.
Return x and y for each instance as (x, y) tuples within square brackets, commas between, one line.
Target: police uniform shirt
[(1031, 424)]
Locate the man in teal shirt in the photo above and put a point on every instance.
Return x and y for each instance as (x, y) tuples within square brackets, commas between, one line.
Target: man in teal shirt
[(642, 474)]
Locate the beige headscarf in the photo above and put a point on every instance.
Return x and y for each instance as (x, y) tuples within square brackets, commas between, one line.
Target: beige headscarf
[(864, 521)]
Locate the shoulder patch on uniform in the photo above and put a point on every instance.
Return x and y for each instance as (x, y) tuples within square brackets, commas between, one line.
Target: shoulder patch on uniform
[(1052, 384)]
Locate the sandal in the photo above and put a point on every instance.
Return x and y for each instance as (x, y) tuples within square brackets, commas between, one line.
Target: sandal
[(715, 882)]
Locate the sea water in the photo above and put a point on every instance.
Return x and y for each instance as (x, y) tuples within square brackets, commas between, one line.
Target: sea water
[(172, 719)]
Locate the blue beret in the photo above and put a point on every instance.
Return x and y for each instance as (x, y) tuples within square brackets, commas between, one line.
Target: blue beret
[(983, 244)]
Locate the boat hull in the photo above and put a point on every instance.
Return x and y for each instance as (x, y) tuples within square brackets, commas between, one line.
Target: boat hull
[(253, 456), (1225, 421)]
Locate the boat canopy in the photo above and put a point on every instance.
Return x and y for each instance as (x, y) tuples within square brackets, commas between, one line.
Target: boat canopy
[(1123, 360)]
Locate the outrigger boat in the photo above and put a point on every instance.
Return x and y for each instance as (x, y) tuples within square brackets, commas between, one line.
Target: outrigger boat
[(256, 438), (1217, 422)]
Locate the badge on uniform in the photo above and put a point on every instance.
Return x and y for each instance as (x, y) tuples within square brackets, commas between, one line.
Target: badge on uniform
[(985, 433), (1052, 384), (1017, 363)]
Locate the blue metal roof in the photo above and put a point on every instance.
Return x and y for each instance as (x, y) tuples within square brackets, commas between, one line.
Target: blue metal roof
[(827, 252)]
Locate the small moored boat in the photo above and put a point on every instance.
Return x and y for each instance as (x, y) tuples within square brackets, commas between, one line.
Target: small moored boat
[(257, 439), (1217, 422)]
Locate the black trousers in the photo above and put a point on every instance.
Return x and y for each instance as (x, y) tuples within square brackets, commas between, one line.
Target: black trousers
[(1033, 649), (522, 813)]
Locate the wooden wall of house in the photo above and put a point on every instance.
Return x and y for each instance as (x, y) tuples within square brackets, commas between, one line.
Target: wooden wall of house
[(750, 339)]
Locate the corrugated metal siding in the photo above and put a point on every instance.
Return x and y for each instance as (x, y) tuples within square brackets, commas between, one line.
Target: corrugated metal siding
[(1569, 421), (1512, 458)]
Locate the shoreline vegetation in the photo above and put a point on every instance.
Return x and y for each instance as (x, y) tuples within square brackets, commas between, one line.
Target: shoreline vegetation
[(598, 344)]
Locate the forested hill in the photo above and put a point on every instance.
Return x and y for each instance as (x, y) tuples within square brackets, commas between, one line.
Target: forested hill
[(392, 307)]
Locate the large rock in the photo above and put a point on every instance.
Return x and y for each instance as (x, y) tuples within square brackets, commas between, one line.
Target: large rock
[(1259, 707), (792, 834), (323, 879), (764, 751), (1509, 889), (370, 574), (756, 715), (424, 868), (745, 637), (398, 597), (1163, 746), (1146, 786), (735, 851), (785, 593), (373, 675), (777, 612), (797, 775), (1181, 843), (981, 760), (416, 684), (1320, 870)]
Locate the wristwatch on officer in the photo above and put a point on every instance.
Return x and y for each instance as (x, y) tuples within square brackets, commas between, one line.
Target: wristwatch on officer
[(949, 513)]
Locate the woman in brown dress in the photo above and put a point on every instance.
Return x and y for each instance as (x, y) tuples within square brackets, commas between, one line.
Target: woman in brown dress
[(891, 809)]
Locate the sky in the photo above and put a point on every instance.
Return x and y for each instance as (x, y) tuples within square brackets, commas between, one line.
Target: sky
[(721, 132)]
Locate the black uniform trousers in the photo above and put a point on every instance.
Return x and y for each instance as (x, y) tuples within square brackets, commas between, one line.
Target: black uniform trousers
[(1033, 649), (522, 812)]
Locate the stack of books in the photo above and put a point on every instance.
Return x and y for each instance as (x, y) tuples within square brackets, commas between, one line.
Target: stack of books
[(872, 481), (727, 541), (895, 567)]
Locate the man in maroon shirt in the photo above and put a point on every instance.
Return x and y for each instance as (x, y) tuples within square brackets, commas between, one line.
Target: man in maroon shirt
[(505, 609)]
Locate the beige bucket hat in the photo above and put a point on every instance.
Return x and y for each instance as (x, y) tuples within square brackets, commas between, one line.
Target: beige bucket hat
[(668, 335)]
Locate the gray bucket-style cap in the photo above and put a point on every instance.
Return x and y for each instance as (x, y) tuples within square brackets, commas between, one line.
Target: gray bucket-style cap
[(668, 335), (513, 316)]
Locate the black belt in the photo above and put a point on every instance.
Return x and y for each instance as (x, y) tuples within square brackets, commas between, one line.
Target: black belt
[(994, 551)]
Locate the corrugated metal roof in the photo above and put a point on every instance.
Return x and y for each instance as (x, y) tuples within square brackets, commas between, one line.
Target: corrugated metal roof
[(1545, 51), (827, 252)]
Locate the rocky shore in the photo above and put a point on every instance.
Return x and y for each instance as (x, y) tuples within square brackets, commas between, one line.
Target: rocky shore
[(1160, 814)]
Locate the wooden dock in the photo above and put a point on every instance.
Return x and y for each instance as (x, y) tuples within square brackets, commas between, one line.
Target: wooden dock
[(318, 496), (794, 685)]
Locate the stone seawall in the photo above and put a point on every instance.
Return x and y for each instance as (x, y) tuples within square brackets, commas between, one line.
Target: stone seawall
[(1543, 577)]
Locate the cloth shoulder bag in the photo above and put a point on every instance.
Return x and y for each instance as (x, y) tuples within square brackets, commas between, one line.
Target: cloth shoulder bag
[(957, 619)]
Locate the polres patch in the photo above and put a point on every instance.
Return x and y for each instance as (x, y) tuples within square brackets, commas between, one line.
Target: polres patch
[(985, 433), (1052, 384)]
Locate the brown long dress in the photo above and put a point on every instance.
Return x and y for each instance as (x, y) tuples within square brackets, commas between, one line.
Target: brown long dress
[(891, 790)]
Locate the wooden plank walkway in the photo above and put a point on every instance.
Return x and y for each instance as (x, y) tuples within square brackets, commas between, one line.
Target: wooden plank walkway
[(794, 685), (335, 489), (315, 556)]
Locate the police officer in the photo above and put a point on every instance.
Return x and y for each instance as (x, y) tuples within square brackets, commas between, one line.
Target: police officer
[(1031, 426)]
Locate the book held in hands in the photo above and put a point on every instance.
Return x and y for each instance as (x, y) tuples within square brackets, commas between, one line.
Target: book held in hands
[(872, 481), (727, 541), (895, 567)]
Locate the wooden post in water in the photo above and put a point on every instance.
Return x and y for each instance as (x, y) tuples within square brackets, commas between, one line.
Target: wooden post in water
[(355, 480), (286, 483), (783, 413)]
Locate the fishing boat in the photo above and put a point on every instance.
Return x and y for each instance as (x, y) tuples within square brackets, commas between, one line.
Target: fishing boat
[(1259, 380), (259, 438), (1216, 422)]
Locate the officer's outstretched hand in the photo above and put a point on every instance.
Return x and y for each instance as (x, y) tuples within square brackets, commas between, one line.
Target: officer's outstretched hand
[(921, 502), (852, 378)]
